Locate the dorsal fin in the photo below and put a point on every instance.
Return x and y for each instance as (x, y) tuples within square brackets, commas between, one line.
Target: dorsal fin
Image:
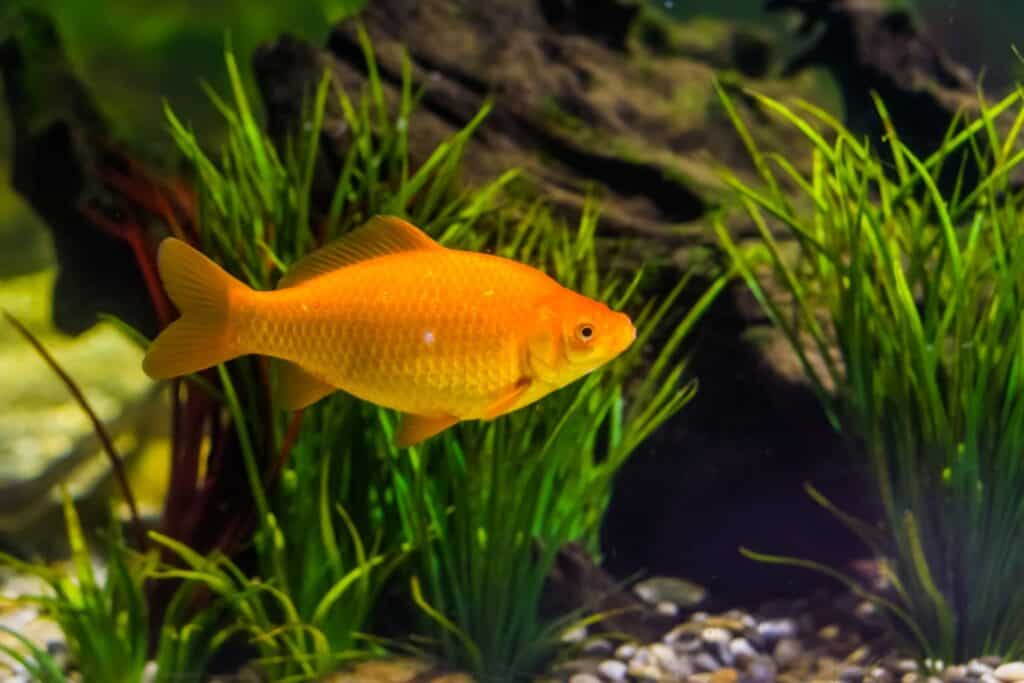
[(379, 236)]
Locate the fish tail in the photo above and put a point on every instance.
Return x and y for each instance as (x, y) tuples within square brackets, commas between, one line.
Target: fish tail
[(201, 290)]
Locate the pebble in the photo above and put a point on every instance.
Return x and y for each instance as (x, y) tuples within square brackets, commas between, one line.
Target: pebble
[(613, 669), (851, 674), (787, 651), (742, 650), (955, 674), (667, 609), (715, 634), (705, 662), (625, 651), (725, 676), (1010, 672), (762, 670), (642, 666), (777, 629), (584, 678), (906, 666), (978, 668)]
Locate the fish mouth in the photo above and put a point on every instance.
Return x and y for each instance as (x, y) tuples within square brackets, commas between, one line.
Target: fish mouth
[(628, 333)]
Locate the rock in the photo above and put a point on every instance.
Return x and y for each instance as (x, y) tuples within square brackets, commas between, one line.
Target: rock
[(774, 630), (904, 666), (672, 590), (584, 678), (726, 675), (668, 609), (953, 673), (642, 664), (715, 634), (625, 651), (612, 669), (395, 670), (705, 662), (787, 651), (762, 669), (1010, 672), (851, 674), (742, 650), (880, 674), (47, 440), (978, 668)]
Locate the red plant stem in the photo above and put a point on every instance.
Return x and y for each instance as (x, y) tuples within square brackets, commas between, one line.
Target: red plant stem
[(101, 431), (290, 437)]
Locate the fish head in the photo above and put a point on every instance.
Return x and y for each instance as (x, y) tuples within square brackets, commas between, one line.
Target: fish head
[(577, 335)]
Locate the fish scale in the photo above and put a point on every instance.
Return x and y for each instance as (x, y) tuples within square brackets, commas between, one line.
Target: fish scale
[(402, 345)]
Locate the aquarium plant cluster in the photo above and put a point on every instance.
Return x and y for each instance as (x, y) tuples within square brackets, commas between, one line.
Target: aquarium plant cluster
[(292, 535), (896, 279), (912, 269)]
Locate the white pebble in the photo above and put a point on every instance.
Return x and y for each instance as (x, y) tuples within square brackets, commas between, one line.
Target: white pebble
[(978, 668), (668, 609), (613, 669), (715, 634), (741, 648), (625, 651), (777, 629), (1011, 671), (663, 655)]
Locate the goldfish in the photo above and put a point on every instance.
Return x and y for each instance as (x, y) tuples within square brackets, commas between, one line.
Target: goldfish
[(390, 316)]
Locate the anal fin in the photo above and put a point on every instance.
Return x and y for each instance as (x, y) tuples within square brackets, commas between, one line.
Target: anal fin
[(297, 388), (412, 429), (507, 400)]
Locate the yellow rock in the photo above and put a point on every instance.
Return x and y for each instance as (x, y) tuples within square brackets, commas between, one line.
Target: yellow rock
[(725, 676)]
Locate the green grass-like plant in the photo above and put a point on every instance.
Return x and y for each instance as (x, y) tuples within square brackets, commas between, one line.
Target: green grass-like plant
[(921, 292), (490, 505), (104, 616), (482, 511)]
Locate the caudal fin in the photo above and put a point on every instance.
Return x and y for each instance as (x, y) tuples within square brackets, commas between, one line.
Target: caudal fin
[(200, 338)]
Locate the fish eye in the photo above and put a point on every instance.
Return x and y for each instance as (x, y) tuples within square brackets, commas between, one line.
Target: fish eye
[(585, 332)]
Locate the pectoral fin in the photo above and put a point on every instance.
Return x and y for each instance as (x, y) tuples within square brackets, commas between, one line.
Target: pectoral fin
[(507, 401), (413, 429), (298, 388)]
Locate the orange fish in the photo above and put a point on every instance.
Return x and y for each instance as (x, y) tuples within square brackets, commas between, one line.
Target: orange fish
[(387, 314)]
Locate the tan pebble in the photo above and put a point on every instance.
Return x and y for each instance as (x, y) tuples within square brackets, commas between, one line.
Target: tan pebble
[(910, 677), (1010, 672), (400, 670), (724, 676)]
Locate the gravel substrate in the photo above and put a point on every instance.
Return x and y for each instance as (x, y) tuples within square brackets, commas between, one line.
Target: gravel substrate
[(820, 640), (824, 639)]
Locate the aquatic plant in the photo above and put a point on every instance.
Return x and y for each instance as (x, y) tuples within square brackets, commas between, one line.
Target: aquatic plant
[(920, 293), (104, 617), (459, 505), (490, 506)]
